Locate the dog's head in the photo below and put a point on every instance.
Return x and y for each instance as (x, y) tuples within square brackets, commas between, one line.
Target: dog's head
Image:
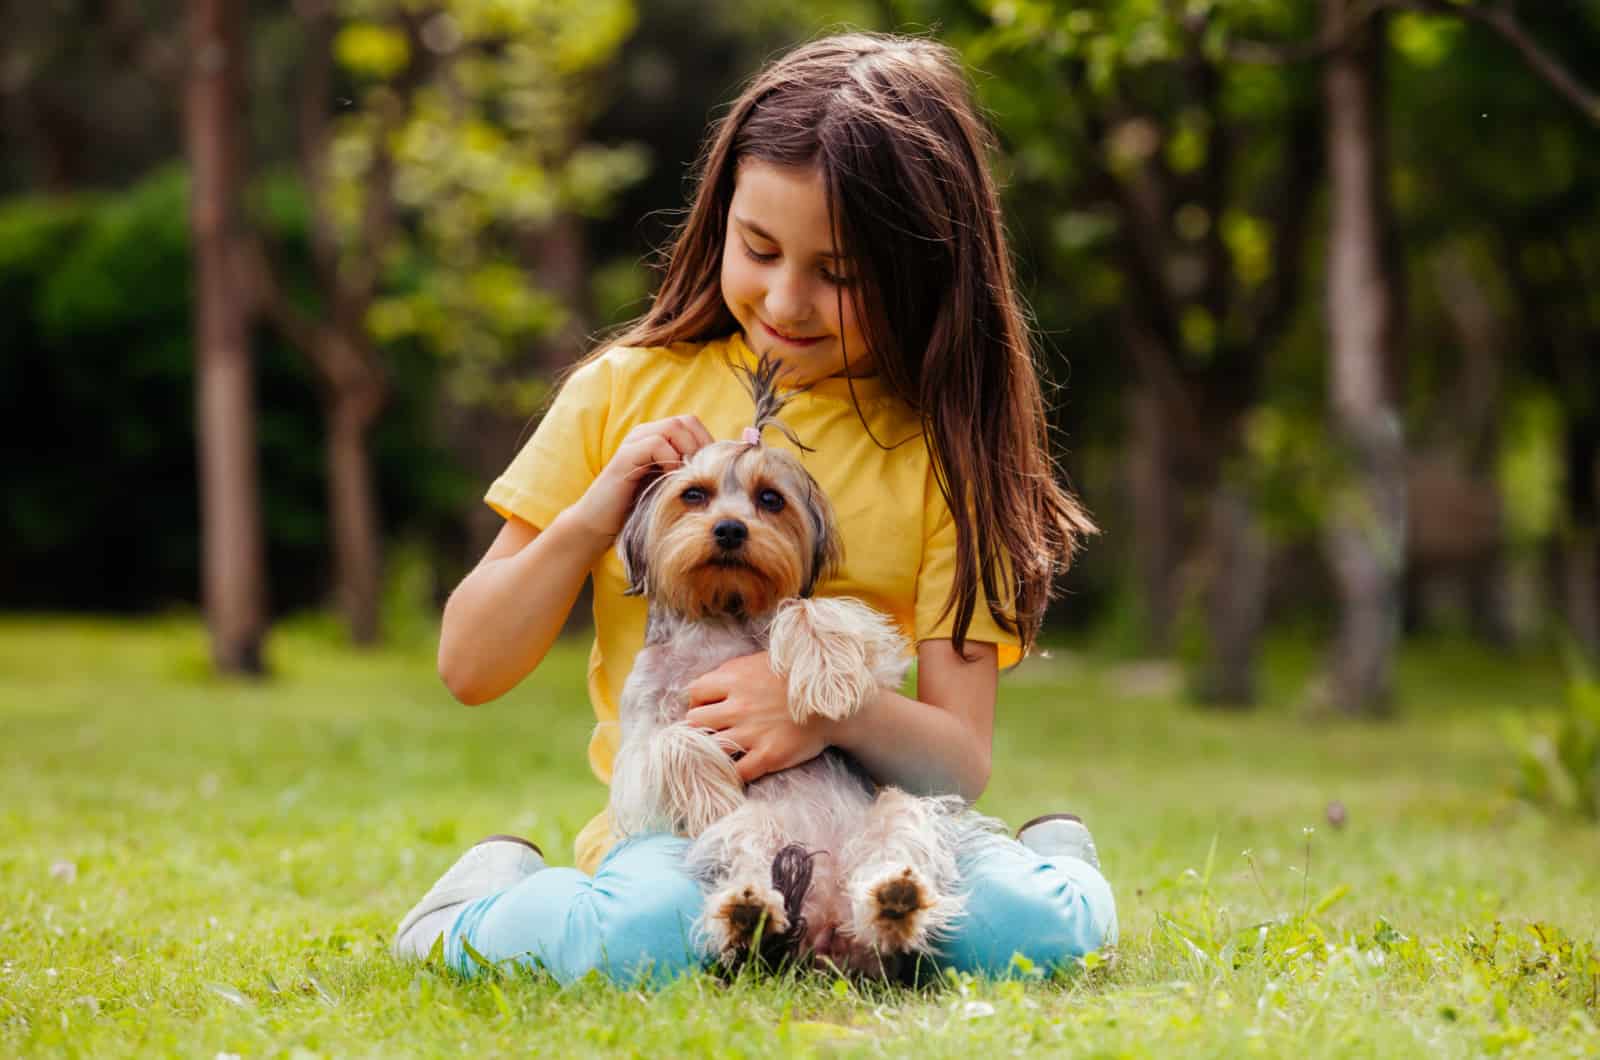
[(735, 531)]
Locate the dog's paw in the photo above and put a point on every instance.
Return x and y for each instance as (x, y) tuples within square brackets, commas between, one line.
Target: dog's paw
[(835, 654), (897, 910), (737, 915)]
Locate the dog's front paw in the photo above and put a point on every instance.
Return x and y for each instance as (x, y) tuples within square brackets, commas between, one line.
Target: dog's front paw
[(836, 653), (896, 910), (739, 915)]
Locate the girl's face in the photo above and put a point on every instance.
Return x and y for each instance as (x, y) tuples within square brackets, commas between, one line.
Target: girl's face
[(793, 297)]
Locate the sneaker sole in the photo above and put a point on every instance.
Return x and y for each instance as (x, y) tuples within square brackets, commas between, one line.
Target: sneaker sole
[(1050, 817), (518, 839)]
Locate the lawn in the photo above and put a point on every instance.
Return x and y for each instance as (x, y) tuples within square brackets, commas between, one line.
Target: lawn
[(202, 868)]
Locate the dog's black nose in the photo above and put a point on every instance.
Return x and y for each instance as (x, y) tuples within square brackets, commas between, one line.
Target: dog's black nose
[(730, 534)]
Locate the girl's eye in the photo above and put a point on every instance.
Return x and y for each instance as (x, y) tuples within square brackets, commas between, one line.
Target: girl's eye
[(770, 500), (831, 278), (755, 256), (693, 495)]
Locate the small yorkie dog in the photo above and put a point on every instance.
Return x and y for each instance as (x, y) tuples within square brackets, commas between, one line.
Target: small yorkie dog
[(816, 860)]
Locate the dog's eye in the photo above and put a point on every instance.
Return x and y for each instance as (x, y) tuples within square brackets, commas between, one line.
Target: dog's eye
[(770, 500), (693, 495)]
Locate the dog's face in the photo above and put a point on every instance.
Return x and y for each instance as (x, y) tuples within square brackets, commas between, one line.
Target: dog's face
[(735, 531)]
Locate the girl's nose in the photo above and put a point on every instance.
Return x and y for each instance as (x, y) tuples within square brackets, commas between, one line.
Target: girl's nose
[(786, 303)]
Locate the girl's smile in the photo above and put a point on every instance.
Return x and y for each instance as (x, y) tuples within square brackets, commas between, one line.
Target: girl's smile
[(792, 340), (792, 292)]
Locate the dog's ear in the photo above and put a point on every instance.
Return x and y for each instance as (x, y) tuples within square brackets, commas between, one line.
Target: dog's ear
[(827, 549), (633, 542)]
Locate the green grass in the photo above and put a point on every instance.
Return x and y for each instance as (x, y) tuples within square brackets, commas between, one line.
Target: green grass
[(196, 867)]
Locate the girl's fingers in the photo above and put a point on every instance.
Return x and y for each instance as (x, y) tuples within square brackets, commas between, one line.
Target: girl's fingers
[(687, 433), (737, 741), (652, 454), (701, 436), (752, 766), (682, 439), (665, 455), (711, 716), (707, 688)]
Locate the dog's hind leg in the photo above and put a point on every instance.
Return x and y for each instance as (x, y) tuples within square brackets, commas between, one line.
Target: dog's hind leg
[(675, 779), (901, 874)]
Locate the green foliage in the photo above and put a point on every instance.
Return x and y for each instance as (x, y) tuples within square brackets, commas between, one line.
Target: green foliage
[(479, 138), (1530, 469), (1423, 40), (1292, 468), (97, 380), (377, 52), (1558, 759), (1111, 114)]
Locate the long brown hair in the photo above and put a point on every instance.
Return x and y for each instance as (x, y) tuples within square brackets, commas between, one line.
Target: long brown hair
[(892, 123)]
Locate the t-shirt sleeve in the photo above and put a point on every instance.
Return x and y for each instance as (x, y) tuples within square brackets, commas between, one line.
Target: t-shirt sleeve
[(565, 454), (934, 579)]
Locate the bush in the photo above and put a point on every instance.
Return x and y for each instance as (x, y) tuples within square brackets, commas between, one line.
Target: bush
[(99, 504), (1558, 760)]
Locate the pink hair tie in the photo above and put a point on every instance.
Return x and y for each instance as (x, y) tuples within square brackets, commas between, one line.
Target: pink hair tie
[(751, 436)]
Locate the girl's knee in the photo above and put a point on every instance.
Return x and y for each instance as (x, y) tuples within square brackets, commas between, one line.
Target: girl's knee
[(1080, 912), (632, 921), (638, 915), (1050, 912), (647, 933)]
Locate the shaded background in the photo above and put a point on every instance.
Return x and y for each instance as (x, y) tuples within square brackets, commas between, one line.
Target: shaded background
[(374, 233)]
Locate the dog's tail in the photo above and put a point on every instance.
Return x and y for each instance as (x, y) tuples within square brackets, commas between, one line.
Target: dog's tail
[(791, 877)]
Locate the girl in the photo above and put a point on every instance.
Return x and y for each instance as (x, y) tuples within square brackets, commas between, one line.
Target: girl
[(846, 224)]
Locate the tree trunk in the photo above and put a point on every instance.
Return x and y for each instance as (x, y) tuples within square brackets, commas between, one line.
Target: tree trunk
[(1473, 412), (1580, 547), (1580, 577), (233, 567), (1236, 601), (1153, 498), (1366, 532), (353, 400)]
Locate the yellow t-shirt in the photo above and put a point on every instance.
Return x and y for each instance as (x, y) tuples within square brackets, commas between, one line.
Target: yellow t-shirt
[(899, 538)]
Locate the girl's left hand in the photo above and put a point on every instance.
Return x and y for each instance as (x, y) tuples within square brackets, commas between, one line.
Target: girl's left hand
[(749, 704)]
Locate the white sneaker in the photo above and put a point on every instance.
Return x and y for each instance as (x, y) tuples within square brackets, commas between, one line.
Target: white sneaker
[(1059, 834), (491, 865)]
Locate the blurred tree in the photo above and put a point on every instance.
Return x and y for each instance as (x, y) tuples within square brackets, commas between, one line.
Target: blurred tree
[(463, 154), (1137, 145), (1366, 531), (97, 412), (88, 90), (1156, 121), (1366, 528), (1505, 229), (1500, 17), (234, 567)]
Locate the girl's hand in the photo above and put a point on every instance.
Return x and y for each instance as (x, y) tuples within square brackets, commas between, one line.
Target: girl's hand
[(749, 704), (659, 446)]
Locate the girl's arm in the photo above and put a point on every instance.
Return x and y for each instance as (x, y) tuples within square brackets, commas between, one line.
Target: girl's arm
[(506, 613), (938, 743), (941, 741)]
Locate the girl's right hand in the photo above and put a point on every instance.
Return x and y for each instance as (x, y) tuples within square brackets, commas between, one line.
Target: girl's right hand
[(650, 447)]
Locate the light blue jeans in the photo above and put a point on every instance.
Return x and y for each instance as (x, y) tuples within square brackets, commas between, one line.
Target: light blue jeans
[(634, 918)]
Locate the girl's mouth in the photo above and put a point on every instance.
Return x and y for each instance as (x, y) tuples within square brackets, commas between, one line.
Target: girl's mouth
[(790, 339)]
